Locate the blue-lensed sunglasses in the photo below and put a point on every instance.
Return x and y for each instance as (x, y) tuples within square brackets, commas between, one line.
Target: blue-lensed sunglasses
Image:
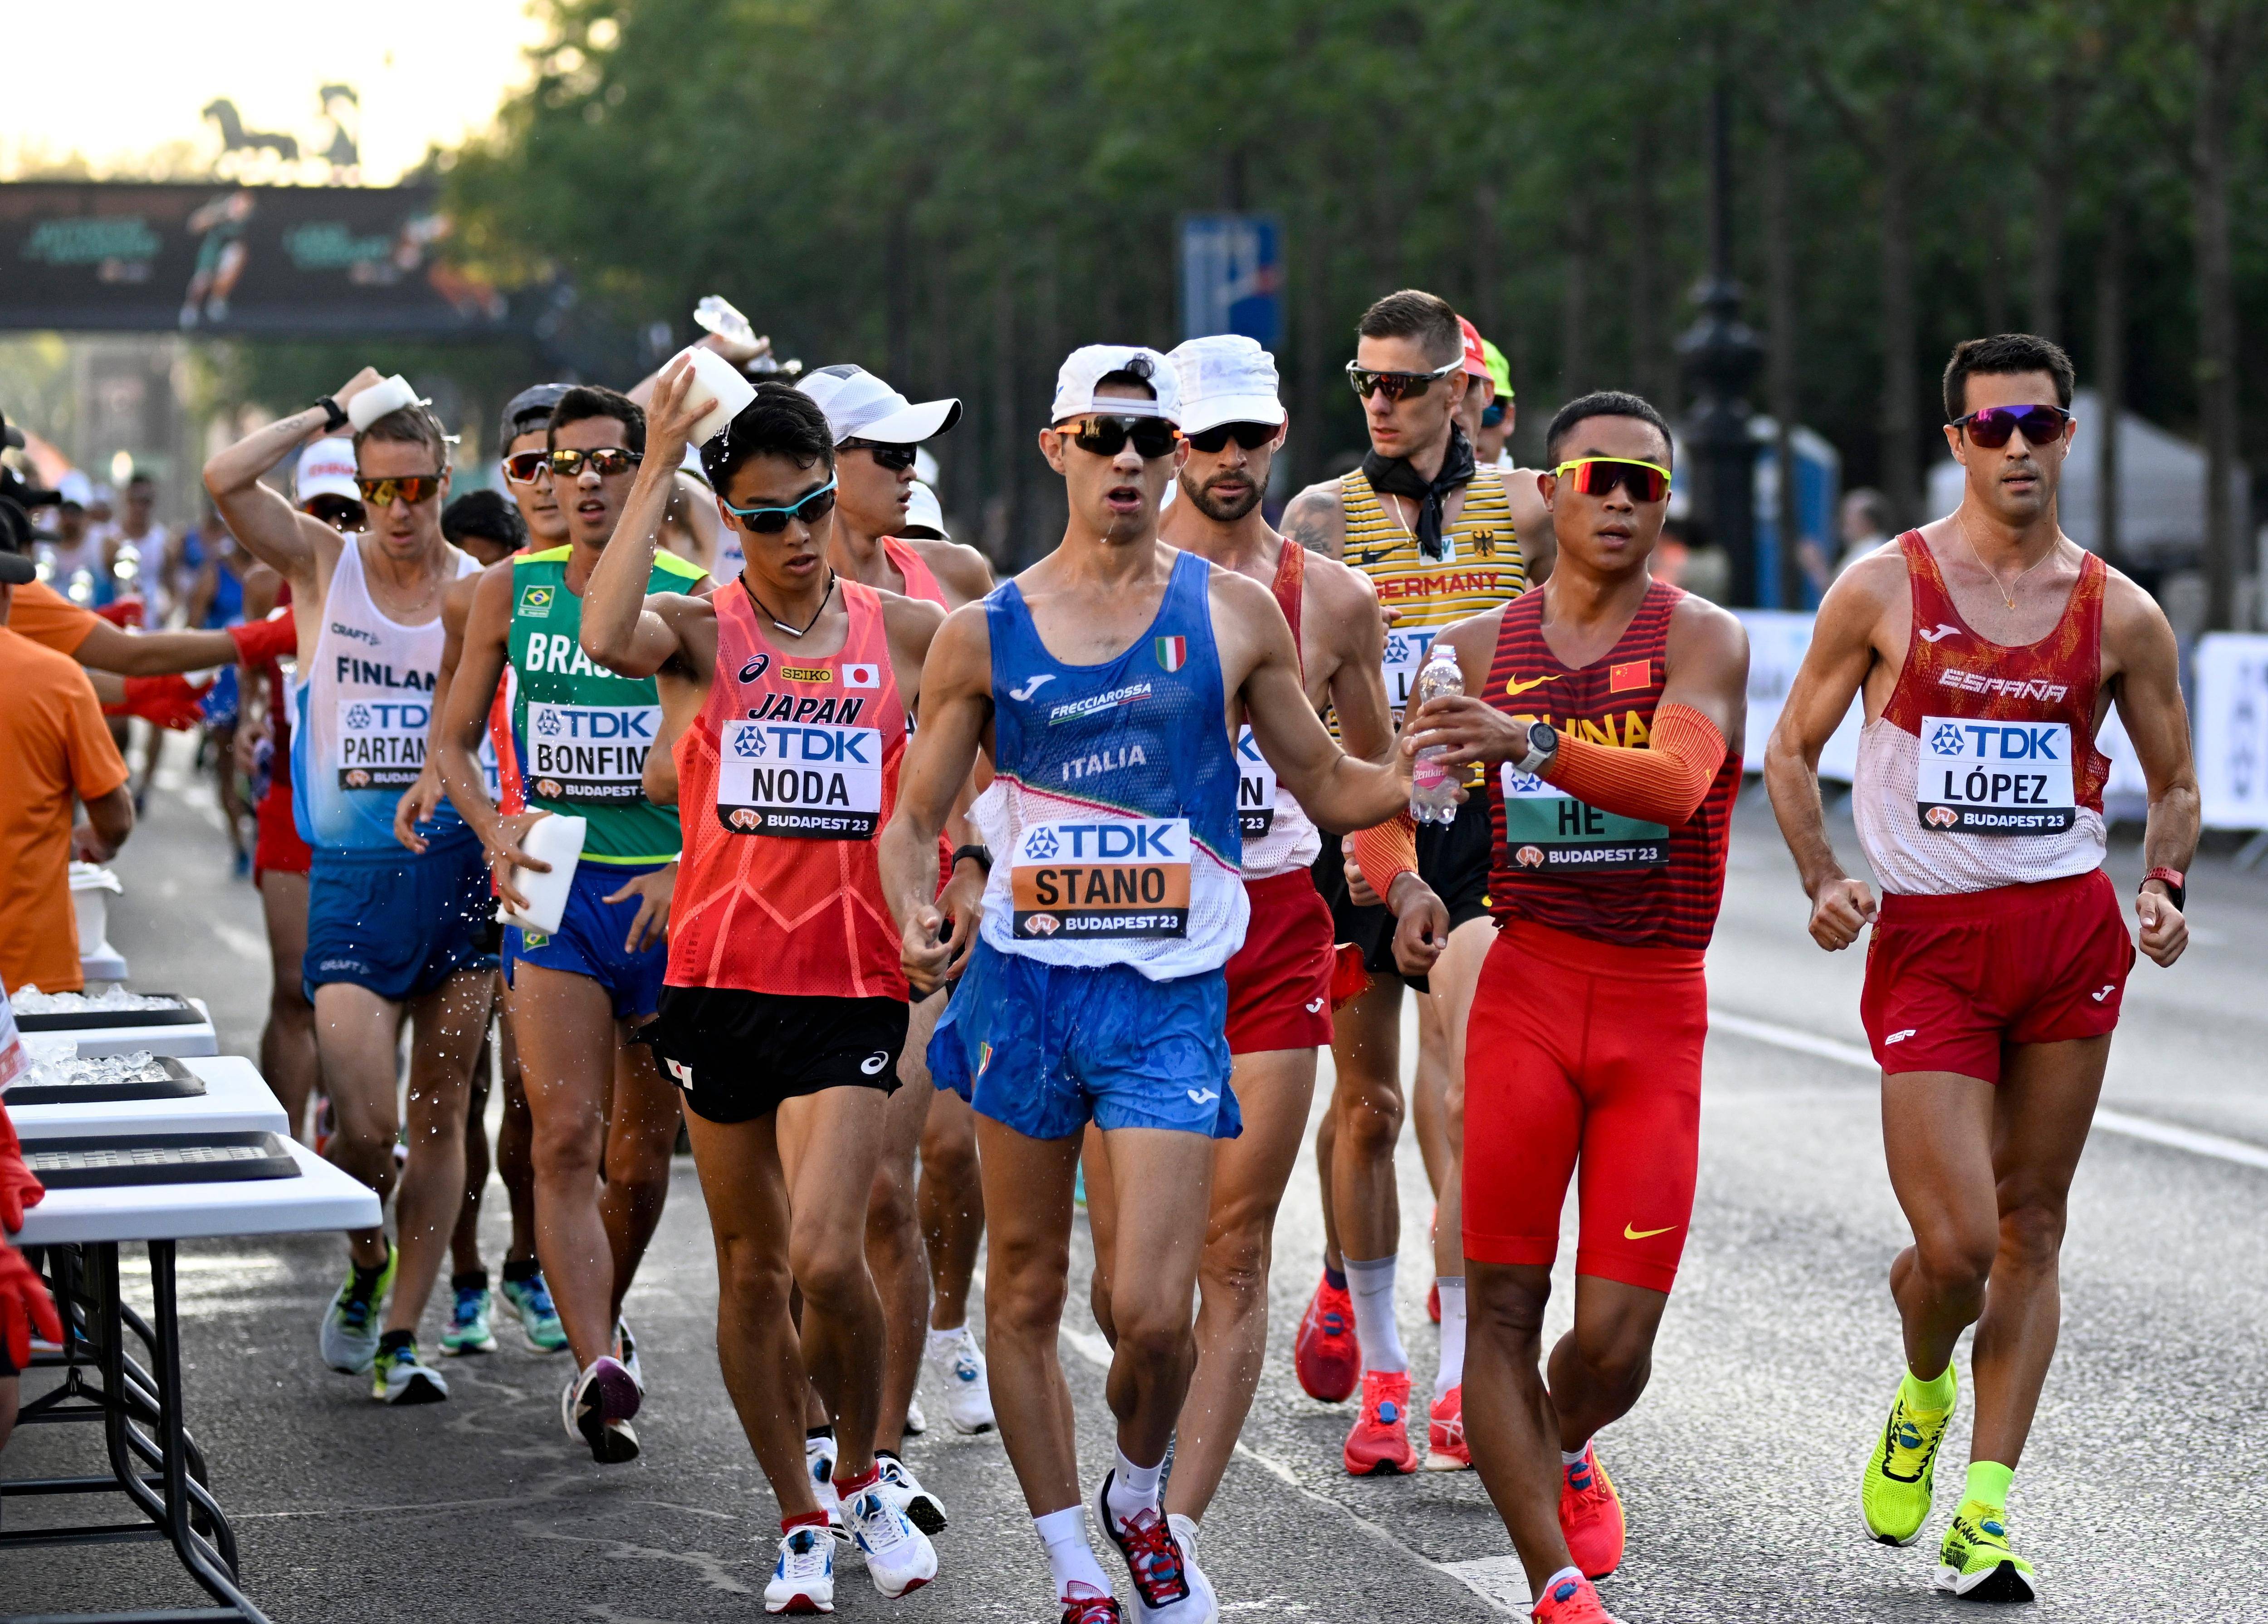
[(807, 509)]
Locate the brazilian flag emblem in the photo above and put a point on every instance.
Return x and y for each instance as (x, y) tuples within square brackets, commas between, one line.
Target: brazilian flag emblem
[(535, 600)]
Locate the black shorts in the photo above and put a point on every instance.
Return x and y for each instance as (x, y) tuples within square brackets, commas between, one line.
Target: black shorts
[(1455, 860), (735, 1055)]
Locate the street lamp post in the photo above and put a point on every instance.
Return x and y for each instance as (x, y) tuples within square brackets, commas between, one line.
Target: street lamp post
[(1721, 355)]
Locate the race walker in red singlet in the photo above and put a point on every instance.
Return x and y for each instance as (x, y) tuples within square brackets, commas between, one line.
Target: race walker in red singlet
[(1980, 804)]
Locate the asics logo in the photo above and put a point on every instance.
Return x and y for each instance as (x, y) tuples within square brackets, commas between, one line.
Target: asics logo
[(1031, 687), (1899, 1037), (1314, 1006), (1203, 1097), (1942, 634), (2106, 993), (873, 1063)]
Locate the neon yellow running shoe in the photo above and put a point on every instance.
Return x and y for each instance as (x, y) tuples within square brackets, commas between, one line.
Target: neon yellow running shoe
[(1901, 1474), (1976, 1564)]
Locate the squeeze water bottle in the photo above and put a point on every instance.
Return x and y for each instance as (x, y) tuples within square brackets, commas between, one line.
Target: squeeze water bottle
[(1434, 786)]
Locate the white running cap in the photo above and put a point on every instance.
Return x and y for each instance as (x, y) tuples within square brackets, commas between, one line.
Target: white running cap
[(1082, 369), (325, 468), (860, 406), (924, 516), (1227, 378)]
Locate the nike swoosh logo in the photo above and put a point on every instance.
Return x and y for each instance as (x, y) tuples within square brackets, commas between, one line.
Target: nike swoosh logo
[(1201, 1097), (1515, 686), (1941, 634), (1629, 1234), (1032, 687)]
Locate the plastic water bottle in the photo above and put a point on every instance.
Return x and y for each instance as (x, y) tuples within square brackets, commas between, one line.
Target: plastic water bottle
[(1434, 786)]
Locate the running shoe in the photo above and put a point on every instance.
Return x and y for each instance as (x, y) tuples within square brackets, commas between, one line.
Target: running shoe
[(1379, 1446), (1445, 1433), (923, 1508), (1185, 1535), (1326, 1353), (1571, 1601), (349, 1339), (1591, 1514), (1091, 1610), (1975, 1563), (819, 1460), (597, 1408), (1162, 1591), (916, 1423), (468, 1330), (626, 1353), (803, 1579), (1902, 1472), (397, 1375), (539, 1320), (899, 1556), (959, 1367)]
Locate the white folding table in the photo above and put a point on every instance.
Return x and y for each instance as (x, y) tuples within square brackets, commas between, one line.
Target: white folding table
[(153, 1459), (186, 1032)]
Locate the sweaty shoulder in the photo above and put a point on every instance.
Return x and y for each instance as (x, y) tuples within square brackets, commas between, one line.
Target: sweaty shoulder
[(1342, 593), (961, 569), (2132, 620), (916, 618), (1316, 519), (1862, 594)]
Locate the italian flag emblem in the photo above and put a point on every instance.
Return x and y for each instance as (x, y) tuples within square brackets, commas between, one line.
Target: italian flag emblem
[(983, 1058), (1172, 653)]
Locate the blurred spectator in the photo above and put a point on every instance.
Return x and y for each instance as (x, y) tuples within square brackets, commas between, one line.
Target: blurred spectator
[(139, 542), (485, 525), (1865, 520), (52, 748)]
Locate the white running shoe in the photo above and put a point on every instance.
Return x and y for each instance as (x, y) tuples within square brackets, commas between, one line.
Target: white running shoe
[(959, 1366), (597, 1408), (923, 1508), (916, 1423), (899, 1556), (625, 1352), (819, 1460), (398, 1375), (803, 1579), (1185, 1535)]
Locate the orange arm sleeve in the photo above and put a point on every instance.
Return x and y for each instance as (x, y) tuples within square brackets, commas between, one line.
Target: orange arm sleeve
[(1386, 851), (1662, 784)]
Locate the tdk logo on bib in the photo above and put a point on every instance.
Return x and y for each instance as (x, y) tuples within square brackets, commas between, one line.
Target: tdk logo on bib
[(1151, 839), (1995, 778)]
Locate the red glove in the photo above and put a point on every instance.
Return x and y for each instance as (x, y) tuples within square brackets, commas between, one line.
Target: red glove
[(168, 701), (262, 642), (18, 1189), (121, 611), (25, 1306)]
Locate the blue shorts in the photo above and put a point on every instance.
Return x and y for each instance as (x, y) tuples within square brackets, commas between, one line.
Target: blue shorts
[(395, 922), (590, 937), (1042, 1048)]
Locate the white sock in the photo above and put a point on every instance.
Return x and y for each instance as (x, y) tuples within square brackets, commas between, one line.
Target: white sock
[(1552, 1582), (1371, 1285), (1133, 1488), (1070, 1557), (1452, 1332), (1575, 1459), (946, 1342)]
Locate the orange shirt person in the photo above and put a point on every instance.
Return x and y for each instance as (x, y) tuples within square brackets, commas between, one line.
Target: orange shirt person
[(53, 747)]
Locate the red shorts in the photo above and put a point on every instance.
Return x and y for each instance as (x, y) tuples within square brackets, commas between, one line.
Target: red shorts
[(1580, 1050), (278, 845), (1953, 981), (1280, 983)]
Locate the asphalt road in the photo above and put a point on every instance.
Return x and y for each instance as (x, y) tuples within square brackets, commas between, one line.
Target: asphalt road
[(2140, 1495)]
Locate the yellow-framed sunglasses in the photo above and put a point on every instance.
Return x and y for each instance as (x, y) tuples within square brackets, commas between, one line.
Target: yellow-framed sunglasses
[(1647, 481)]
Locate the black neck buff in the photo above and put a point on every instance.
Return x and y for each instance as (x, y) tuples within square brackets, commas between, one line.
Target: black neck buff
[(1395, 476)]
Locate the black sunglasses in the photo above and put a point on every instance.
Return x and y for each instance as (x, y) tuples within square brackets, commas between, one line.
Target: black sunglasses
[(895, 458), (1992, 426), (1251, 436), (342, 513), (1398, 386), (1106, 436)]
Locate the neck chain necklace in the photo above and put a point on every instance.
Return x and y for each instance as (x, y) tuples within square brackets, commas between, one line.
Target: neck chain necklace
[(2008, 592), (793, 632)]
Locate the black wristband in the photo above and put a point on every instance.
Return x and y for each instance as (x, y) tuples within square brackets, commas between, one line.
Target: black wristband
[(983, 854), (334, 414)]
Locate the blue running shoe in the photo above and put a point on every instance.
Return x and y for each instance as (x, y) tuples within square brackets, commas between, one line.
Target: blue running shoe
[(531, 1299), (468, 1330)]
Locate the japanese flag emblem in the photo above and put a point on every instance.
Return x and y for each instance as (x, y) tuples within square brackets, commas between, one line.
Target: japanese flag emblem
[(862, 677)]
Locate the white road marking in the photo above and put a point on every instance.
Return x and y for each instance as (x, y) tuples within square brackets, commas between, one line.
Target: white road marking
[(1499, 1579), (2149, 1129)]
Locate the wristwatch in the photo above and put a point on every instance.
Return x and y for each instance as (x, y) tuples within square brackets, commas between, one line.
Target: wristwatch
[(2175, 882), (1542, 745), (334, 414), (981, 855)]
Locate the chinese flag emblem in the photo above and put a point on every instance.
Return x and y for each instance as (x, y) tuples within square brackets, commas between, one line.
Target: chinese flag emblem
[(1629, 674)]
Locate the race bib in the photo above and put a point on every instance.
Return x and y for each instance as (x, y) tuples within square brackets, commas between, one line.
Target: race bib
[(1994, 777), (1256, 788), (1110, 878), (1547, 831), (590, 754), (1405, 657), (382, 742), (809, 781)]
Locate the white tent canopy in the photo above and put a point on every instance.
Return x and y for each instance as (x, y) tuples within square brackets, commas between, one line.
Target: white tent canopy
[(2161, 485)]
